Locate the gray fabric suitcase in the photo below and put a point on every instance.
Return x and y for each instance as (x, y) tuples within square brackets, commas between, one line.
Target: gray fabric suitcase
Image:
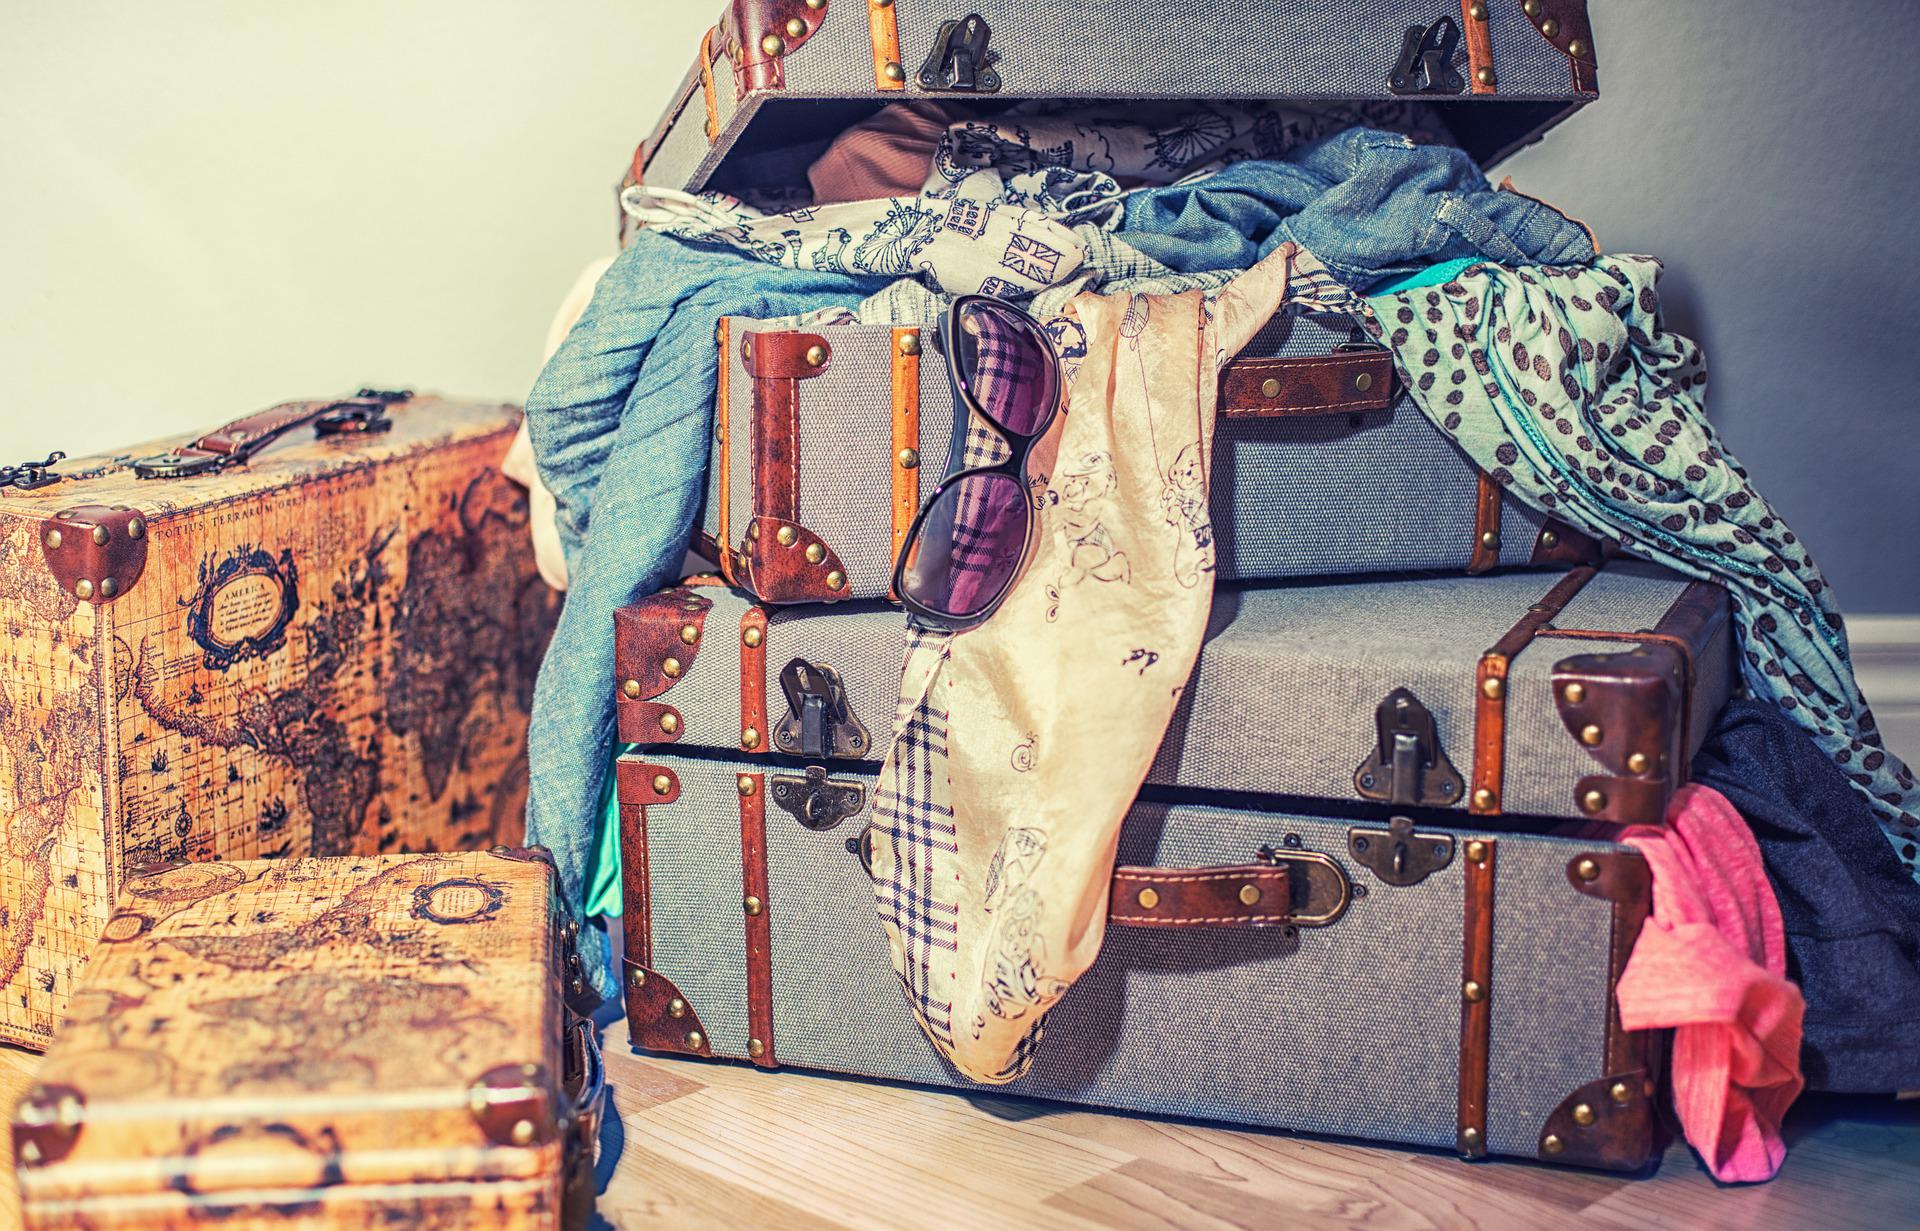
[(1441, 987), (829, 439), (1578, 695), (773, 80)]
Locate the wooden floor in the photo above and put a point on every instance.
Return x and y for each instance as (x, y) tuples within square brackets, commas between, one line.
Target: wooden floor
[(699, 1145)]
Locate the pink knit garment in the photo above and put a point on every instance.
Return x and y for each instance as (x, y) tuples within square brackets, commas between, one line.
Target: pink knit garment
[(1711, 964)]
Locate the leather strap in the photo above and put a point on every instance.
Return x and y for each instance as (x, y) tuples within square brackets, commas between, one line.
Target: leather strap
[(754, 737), (755, 908), (1486, 525), (1490, 692), (1244, 896), (778, 361), (1479, 46), (884, 29), (906, 428), (723, 451), (707, 56), (1348, 381), (1476, 995), (235, 442), (638, 786)]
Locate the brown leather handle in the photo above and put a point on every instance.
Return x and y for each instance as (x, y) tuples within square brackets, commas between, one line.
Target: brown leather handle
[(233, 443), (1344, 382), (1240, 896)]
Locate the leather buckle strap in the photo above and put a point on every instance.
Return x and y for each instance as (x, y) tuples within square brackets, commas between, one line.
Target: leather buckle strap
[(235, 442), (1344, 382), (1290, 888)]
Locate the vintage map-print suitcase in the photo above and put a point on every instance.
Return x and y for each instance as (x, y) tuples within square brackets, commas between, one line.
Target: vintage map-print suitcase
[(388, 1041), (1575, 695), (1367, 976), (311, 632)]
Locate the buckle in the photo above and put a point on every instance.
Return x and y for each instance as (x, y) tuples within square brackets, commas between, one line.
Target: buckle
[(179, 465)]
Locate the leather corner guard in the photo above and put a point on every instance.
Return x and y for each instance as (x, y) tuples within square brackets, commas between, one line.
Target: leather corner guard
[(1252, 895), (1560, 544), (1490, 692), (783, 562), (1473, 21), (1564, 24), (1625, 710), (756, 909), (754, 734), (95, 551), (655, 642), (1342, 382), (47, 1123), (1476, 994), (889, 73), (660, 1017), (1486, 525), (1621, 878), (906, 425), (758, 35), (1607, 1124)]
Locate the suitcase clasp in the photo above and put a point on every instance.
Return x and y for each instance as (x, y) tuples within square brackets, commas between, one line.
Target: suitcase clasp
[(29, 475), (1425, 65), (960, 60), (1407, 764), (819, 722), (816, 801), (1398, 855)]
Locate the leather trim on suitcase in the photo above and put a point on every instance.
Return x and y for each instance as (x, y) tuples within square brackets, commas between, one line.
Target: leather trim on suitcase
[(883, 29), (1490, 692), (1476, 993), (1473, 20), (1271, 388), (1564, 24), (906, 429), (753, 680), (784, 561), (754, 907), (1486, 525), (1609, 1122), (655, 642)]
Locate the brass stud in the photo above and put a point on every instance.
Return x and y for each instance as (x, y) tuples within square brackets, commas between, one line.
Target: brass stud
[(751, 637), (756, 1048), (637, 977), (676, 1007), (816, 5), (1148, 898), (909, 459), (815, 553), (910, 344), (1270, 388), (1593, 802), (53, 540), (1485, 798), (578, 987), (1551, 1144), (1473, 992), (1484, 76), (753, 532), (796, 28), (1587, 870), (1249, 894), (632, 689), (670, 668), (522, 1132), (1549, 540), (893, 71), (1591, 735), (750, 738), (773, 45), (816, 355), (108, 587), (696, 1040), (1575, 693), (1638, 763), (746, 348), (786, 536), (1620, 1093), (1583, 1114), (1576, 48), (1493, 687), (101, 534), (747, 786), (880, 4), (1550, 27), (669, 722), (752, 905), (689, 633), (1363, 382), (1477, 11), (662, 784), (836, 580), (83, 588), (1530, 7), (1470, 1138), (30, 1152), (1476, 851), (1490, 540)]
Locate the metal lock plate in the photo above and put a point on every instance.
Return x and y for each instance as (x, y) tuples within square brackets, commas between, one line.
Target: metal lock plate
[(1407, 764), (818, 722), (1425, 65), (816, 801), (1397, 854), (28, 475), (960, 60)]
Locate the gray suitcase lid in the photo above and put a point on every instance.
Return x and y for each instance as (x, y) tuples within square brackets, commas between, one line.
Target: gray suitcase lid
[(774, 80), (1297, 690)]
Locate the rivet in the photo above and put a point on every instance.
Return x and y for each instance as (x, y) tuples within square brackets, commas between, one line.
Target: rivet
[(910, 344), (578, 987), (750, 637), (1576, 48), (1477, 11), (1363, 382), (1620, 1093), (1473, 992), (753, 532), (1549, 539), (522, 1132), (632, 689), (83, 588), (662, 784), (696, 1040), (1484, 76), (1470, 1137), (747, 785), (1270, 388), (1490, 540), (53, 540), (756, 1048), (816, 5), (1583, 1114), (101, 534), (836, 580), (1249, 894), (786, 536), (1591, 735), (67, 1111), (1530, 7), (1549, 27), (1637, 763), (751, 905), (1587, 870), (1148, 898), (816, 355), (746, 348), (669, 723), (1593, 802), (637, 977), (893, 71), (1551, 1144), (1493, 687), (1476, 850), (108, 587), (750, 738), (689, 633), (676, 1007), (1484, 798), (30, 1152), (796, 28), (880, 4), (1574, 693), (909, 459), (815, 553), (773, 45)]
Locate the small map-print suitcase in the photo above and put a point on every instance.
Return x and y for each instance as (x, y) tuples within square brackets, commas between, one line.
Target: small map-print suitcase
[(324, 1044), (313, 631)]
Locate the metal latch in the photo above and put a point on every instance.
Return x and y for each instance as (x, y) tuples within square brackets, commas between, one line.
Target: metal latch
[(960, 60), (365, 411), (816, 801), (1398, 855), (1425, 65), (29, 475), (819, 722), (1407, 764)]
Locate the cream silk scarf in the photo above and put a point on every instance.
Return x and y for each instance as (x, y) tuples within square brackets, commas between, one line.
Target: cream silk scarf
[(1020, 744)]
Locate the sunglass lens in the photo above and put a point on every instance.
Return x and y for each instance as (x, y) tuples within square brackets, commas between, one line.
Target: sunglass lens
[(970, 542), (1006, 363)]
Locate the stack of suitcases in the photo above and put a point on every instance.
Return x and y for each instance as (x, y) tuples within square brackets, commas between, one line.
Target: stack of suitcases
[(1422, 712)]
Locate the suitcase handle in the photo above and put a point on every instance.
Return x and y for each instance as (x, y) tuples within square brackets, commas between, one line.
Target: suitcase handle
[(1285, 889), (1348, 381), (586, 1087), (233, 443)]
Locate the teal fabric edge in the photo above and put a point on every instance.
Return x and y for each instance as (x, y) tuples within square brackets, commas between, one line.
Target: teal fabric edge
[(604, 895), (1432, 275)]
